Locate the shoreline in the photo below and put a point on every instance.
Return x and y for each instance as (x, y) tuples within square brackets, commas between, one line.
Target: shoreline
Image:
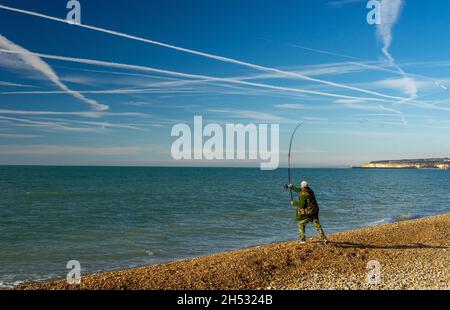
[(391, 168), (413, 254)]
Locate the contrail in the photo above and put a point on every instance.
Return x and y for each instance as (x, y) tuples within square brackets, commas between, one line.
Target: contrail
[(151, 89), (322, 51), (36, 63), (197, 76), (390, 12), (377, 108), (90, 114), (365, 65), (3, 83), (62, 126), (217, 79), (203, 54)]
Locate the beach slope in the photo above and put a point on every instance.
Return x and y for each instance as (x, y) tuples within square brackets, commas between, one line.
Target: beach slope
[(412, 254)]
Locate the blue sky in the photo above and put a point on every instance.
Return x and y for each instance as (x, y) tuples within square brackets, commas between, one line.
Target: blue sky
[(286, 61)]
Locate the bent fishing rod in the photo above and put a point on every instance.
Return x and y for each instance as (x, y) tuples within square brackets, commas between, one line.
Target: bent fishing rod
[(289, 161)]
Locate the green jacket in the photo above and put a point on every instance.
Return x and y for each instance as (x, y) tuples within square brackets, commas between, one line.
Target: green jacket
[(306, 204)]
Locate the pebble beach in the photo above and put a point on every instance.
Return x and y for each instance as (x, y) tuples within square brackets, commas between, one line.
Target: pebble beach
[(412, 254)]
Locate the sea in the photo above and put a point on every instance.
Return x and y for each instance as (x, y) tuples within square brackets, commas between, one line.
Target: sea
[(110, 218)]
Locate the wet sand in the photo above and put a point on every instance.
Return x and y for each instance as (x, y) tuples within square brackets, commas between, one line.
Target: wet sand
[(412, 255)]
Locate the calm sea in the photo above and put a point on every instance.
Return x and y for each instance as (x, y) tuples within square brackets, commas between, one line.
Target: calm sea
[(112, 218)]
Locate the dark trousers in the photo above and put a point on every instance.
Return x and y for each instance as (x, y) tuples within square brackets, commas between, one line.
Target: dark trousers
[(314, 219)]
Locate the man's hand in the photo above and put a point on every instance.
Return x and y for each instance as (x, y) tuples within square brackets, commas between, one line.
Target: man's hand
[(287, 186), (292, 203)]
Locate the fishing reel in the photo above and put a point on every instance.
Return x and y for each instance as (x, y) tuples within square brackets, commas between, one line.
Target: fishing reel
[(286, 186)]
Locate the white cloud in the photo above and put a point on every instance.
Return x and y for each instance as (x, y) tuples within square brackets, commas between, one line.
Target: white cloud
[(68, 125), (254, 115), (37, 64), (338, 68), (3, 83), (370, 108), (406, 85), (102, 125), (11, 62), (348, 101), (92, 114), (137, 103), (314, 119), (43, 149), (17, 136), (376, 108), (48, 125), (291, 106)]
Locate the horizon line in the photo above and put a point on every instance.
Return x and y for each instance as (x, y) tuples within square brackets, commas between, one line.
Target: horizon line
[(173, 166)]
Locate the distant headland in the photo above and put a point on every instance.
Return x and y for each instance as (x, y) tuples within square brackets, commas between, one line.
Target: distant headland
[(428, 163)]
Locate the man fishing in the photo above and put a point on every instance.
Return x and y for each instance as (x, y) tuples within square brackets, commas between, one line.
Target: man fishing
[(307, 211)]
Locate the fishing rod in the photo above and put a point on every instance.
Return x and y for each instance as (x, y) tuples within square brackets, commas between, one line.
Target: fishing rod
[(289, 160)]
